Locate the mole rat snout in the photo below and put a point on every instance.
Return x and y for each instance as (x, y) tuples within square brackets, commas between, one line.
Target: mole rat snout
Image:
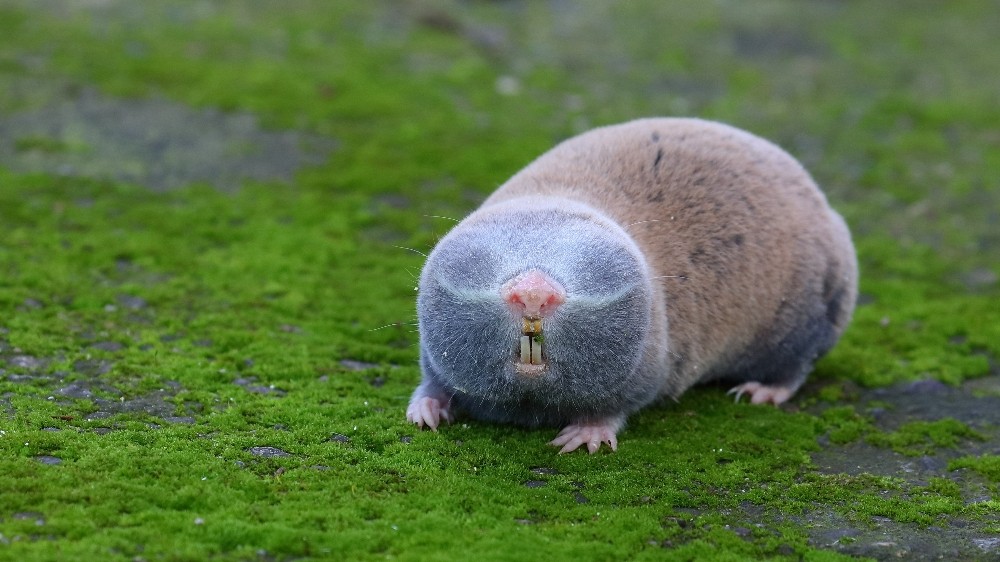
[(533, 294)]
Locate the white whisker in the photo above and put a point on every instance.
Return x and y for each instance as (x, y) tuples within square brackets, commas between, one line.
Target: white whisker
[(626, 227), (410, 249), (441, 217)]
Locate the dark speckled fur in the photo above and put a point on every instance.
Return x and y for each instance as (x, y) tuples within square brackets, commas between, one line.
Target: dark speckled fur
[(690, 251)]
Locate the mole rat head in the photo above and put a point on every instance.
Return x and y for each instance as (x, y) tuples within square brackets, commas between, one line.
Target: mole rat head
[(542, 308)]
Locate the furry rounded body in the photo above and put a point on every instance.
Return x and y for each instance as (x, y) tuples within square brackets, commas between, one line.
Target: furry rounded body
[(689, 250)]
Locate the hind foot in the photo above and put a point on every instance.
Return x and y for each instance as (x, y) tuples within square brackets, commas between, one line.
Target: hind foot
[(590, 433), (762, 393)]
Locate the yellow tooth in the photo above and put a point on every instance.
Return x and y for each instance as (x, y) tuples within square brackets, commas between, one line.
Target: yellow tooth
[(530, 326)]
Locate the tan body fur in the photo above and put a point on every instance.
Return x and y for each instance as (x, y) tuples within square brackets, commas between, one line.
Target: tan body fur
[(684, 189)]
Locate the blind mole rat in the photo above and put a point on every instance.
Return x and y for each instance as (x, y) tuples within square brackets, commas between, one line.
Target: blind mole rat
[(627, 264)]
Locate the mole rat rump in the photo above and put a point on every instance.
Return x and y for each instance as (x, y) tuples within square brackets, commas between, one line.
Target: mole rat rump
[(625, 265)]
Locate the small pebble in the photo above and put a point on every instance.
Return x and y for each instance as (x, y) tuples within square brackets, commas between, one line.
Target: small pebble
[(352, 365), (927, 386), (988, 545), (267, 452)]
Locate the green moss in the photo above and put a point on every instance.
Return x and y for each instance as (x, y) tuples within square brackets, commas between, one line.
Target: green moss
[(831, 393), (987, 465), (46, 144), (922, 438), (945, 487), (844, 424)]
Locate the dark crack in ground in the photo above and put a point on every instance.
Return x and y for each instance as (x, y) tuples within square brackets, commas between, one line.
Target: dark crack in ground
[(250, 385), (85, 382)]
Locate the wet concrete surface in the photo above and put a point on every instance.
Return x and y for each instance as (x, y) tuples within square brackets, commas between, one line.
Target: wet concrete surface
[(975, 403), (152, 142), (884, 539)]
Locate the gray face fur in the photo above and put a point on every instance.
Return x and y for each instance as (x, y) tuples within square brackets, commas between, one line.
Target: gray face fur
[(593, 342)]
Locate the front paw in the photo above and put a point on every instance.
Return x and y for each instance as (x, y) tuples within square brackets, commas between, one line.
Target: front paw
[(590, 433), (429, 411)]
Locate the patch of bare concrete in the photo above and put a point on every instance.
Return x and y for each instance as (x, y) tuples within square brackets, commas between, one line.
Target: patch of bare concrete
[(975, 403), (152, 142)]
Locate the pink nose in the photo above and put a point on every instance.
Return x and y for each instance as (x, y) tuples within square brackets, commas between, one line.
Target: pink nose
[(533, 294)]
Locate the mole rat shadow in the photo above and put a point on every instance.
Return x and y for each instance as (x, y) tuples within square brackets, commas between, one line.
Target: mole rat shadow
[(626, 265)]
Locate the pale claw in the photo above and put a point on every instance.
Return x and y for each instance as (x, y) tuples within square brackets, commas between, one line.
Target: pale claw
[(591, 434), (428, 410), (762, 394)]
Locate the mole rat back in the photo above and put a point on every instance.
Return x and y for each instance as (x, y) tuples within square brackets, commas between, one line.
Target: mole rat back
[(627, 264)]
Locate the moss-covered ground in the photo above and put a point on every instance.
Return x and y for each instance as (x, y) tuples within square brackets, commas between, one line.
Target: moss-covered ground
[(206, 321)]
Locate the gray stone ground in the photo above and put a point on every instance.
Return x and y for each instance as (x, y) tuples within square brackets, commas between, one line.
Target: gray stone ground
[(976, 403)]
